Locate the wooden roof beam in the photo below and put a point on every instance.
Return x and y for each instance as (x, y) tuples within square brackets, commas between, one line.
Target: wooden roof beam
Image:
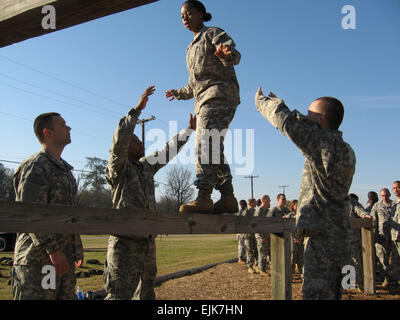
[(22, 19)]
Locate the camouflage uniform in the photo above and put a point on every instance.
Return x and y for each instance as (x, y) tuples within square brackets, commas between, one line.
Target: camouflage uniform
[(381, 212), (278, 212), (323, 211), (250, 242), (297, 248), (214, 86), (395, 235), (263, 242), (357, 211), (131, 259), (43, 179), (241, 246)]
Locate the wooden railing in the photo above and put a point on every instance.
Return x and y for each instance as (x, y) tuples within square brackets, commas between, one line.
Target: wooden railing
[(32, 217)]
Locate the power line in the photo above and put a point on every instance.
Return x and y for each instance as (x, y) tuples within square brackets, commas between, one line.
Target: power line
[(63, 81), (30, 121), (57, 100), (57, 93)]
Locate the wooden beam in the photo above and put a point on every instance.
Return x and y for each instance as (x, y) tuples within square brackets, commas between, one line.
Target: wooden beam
[(281, 275), (32, 217), (22, 19), (368, 257)]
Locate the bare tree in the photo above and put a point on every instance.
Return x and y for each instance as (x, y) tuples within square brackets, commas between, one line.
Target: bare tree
[(179, 187)]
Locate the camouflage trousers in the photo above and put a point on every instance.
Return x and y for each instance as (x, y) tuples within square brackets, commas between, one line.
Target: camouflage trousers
[(130, 268), (26, 284), (251, 249), (382, 255), (241, 248), (356, 257), (263, 249), (297, 252), (395, 261), (324, 258), (211, 167)]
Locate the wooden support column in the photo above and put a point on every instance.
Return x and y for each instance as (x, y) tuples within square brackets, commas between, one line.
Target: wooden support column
[(368, 254), (281, 275)]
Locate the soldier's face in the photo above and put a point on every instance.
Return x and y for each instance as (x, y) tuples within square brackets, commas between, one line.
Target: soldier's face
[(315, 113), (385, 196), (60, 133), (136, 150), (396, 189), (266, 202), (281, 201), (192, 18)]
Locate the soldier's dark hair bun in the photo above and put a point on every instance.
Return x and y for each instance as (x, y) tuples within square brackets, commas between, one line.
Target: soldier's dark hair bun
[(207, 17), (199, 6)]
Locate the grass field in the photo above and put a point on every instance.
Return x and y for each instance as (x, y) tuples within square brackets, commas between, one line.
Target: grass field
[(174, 253)]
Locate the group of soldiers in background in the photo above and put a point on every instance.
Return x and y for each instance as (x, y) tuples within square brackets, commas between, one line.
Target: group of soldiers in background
[(254, 249)]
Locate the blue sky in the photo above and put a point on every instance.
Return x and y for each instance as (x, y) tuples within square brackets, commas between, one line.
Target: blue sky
[(94, 72)]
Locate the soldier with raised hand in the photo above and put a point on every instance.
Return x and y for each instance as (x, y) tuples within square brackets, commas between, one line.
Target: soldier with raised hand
[(46, 178), (130, 268), (262, 239), (323, 213), (210, 57), (381, 213)]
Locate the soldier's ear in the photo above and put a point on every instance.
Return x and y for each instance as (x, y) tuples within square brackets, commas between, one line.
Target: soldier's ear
[(47, 133)]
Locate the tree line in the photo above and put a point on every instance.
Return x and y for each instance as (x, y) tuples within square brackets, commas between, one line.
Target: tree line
[(93, 190)]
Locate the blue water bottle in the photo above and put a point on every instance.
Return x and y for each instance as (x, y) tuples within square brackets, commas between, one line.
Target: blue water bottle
[(79, 293)]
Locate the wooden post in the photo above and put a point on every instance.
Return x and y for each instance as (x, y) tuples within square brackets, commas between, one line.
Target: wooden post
[(281, 276), (368, 252)]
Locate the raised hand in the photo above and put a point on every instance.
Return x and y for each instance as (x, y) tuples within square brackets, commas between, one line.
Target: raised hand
[(170, 94), (145, 97)]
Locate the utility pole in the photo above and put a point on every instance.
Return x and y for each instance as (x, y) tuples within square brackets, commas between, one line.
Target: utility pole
[(143, 123), (251, 177), (284, 187)]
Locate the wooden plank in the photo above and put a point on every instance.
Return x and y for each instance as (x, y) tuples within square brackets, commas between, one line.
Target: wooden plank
[(281, 276), (22, 19), (368, 253), (357, 223), (39, 218)]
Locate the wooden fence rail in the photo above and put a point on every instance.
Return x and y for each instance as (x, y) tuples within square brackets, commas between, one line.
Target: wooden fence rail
[(32, 217)]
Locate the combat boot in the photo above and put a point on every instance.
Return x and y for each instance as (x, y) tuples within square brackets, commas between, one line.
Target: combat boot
[(240, 261), (385, 283), (228, 203), (203, 203)]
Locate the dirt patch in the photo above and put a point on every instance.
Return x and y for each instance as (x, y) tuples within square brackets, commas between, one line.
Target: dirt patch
[(231, 281)]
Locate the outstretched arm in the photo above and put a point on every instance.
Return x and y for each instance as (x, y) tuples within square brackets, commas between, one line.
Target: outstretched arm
[(124, 132), (160, 158), (184, 93)]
